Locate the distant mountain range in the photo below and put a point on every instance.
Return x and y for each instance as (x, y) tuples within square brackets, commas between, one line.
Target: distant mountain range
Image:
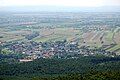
[(60, 9)]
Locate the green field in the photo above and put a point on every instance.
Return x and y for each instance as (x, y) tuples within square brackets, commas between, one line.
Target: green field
[(91, 38)]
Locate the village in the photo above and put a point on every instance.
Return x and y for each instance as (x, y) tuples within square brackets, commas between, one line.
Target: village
[(58, 49)]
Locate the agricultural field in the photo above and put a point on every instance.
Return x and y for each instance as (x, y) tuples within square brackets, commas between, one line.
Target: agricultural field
[(95, 30), (91, 38)]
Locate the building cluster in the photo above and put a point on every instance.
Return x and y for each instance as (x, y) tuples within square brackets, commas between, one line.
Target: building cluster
[(57, 49)]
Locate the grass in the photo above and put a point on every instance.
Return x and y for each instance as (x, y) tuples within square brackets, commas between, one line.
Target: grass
[(114, 48), (48, 38), (59, 34), (109, 36)]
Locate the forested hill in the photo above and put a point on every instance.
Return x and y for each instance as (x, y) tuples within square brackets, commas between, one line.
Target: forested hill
[(61, 67)]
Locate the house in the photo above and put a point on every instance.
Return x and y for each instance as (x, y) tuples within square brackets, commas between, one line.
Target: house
[(25, 60)]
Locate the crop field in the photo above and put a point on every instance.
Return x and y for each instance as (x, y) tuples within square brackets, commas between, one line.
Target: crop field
[(90, 38), (57, 34), (6, 35), (94, 30)]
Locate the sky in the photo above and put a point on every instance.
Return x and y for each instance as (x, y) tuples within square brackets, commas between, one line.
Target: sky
[(60, 5), (71, 3)]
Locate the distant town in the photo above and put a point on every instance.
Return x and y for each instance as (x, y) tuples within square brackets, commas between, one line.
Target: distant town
[(57, 49)]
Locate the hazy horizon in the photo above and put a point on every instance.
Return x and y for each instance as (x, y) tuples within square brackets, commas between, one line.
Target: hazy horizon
[(60, 9), (60, 5)]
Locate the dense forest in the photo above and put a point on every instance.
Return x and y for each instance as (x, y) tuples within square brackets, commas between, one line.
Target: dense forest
[(83, 68)]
